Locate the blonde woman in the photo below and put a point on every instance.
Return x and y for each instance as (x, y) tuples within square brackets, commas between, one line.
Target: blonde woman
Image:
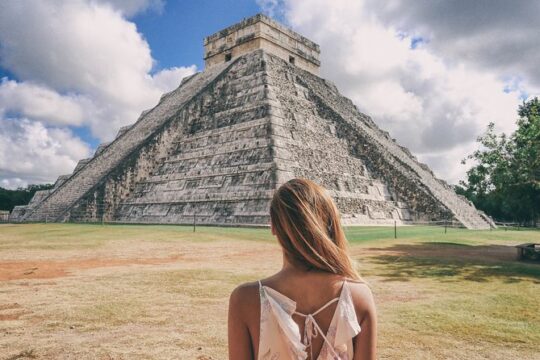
[(316, 306)]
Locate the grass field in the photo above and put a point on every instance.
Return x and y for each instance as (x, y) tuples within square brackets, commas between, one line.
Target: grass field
[(160, 292)]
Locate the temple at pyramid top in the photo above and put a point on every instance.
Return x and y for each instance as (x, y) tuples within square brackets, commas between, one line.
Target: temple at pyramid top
[(261, 32)]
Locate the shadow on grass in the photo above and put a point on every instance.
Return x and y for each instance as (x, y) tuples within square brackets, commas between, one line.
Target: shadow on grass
[(453, 262)]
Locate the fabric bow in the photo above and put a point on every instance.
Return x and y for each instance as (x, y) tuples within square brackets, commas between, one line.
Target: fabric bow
[(311, 330)]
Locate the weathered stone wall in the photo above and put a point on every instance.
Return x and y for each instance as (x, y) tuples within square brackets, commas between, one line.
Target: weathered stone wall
[(4, 215), (95, 171), (310, 144), (235, 51), (212, 162), (215, 150), (284, 53), (102, 202), (18, 212), (261, 32), (219, 169), (408, 180)]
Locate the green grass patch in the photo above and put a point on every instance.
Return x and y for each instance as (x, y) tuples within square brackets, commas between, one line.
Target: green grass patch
[(385, 235), (478, 313), (92, 236)]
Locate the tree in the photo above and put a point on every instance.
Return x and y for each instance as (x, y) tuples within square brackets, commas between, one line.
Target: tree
[(21, 196), (505, 182)]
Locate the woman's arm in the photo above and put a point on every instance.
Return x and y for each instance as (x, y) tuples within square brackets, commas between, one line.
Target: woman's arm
[(365, 343), (239, 338)]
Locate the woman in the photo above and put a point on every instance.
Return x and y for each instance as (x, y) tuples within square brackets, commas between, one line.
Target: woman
[(316, 306)]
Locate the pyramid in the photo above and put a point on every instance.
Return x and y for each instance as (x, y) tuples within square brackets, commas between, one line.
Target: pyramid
[(215, 149)]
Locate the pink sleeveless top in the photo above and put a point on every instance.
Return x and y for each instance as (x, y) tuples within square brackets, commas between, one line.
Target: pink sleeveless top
[(280, 337)]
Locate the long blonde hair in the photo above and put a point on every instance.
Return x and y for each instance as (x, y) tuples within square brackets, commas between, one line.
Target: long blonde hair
[(306, 222)]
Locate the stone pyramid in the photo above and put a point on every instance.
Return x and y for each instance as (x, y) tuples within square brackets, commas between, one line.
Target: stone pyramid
[(215, 149)]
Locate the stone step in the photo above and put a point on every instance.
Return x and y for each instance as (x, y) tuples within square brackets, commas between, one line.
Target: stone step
[(348, 111), (82, 181)]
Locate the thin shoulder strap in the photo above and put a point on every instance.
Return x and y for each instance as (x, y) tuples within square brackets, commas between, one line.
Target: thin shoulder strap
[(325, 305), (320, 309)]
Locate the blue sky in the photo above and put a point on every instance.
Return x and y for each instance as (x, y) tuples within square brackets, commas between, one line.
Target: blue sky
[(176, 34)]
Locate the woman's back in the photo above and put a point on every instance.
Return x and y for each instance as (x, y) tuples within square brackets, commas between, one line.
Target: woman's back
[(303, 315)]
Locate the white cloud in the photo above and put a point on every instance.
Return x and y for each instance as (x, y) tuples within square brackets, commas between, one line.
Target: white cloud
[(435, 107), (498, 35), (169, 79), (77, 46), (40, 103), (133, 7), (270, 7), (86, 48), (13, 183), (33, 153), (80, 63)]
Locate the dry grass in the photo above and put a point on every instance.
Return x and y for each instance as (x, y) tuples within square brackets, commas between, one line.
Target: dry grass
[(160, 292)]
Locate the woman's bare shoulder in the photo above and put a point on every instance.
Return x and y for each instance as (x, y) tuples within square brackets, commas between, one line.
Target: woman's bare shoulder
[(362, 297), (245, 291), (245, 298)]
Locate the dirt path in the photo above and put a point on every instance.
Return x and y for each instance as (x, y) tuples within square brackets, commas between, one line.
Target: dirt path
[(16, 270)]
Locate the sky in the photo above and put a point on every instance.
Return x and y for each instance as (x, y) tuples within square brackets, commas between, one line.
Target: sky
[(432, 73)]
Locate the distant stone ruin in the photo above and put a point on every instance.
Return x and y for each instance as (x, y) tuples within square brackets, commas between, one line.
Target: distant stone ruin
[(217, 147)]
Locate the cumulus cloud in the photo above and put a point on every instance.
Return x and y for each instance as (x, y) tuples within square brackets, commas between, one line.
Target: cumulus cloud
[(85, 48), (39, 102), (80, 63), (496, 34), (168, 79), (435, 106), (133, 7), (271, 8), (30, 152)]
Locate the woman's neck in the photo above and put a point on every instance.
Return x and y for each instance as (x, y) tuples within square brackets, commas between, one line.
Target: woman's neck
[(289, 267)]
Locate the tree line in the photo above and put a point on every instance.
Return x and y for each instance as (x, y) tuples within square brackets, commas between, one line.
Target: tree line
[(21, 196), (504, 181)]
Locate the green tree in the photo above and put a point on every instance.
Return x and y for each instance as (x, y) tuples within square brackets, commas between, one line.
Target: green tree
[(21, 196), (505, 180)]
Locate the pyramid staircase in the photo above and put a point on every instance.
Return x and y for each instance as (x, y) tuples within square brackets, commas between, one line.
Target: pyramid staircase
[(217, 147), (58, 202)]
